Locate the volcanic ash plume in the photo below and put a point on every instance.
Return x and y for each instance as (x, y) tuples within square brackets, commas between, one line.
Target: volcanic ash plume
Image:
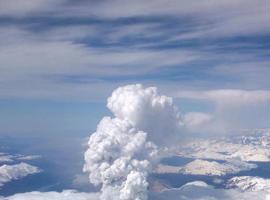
[(123, 149), (146, 110)]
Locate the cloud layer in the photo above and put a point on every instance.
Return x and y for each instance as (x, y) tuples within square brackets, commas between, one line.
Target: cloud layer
[(66, 48), (186, 192), (229, 96), (65, 195)]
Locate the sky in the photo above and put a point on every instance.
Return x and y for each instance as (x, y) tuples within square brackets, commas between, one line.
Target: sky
[(60, 60), (155, 69)]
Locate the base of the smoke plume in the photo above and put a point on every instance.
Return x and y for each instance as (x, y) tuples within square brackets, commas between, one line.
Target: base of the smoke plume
[(119, 157), (135, 187)]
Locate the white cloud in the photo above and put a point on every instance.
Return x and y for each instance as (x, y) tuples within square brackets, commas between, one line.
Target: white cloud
[(228, 96), (44, 62), (191, 191), (196, 119), (66, 58), (233, 109), (42, 56), (61, 50), (222, 18), (65, 195)]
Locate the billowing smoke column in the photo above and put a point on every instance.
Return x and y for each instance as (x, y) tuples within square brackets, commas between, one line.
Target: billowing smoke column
[(146, 110), (123, 149)]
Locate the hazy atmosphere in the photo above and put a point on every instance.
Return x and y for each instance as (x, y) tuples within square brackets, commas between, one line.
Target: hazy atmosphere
[(134, 100)]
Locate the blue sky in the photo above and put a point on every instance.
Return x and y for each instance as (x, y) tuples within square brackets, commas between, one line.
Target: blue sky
[(60, 60)]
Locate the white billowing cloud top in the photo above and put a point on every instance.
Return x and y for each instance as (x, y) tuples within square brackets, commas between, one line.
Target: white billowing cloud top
[(146, 110)]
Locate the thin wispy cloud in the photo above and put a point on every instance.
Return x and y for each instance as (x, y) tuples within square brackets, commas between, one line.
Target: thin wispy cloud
[(229, 96), (95, 41)]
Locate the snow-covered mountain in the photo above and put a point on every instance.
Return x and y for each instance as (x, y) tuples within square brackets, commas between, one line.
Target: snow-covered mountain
[(249, 183), (253, 146), (210, 168), (17, 171)]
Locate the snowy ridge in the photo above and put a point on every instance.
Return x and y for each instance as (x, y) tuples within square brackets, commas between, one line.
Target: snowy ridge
[(253, 147), (249, 183), (213, 168), (14, 172), (8, 158), (210, 168)]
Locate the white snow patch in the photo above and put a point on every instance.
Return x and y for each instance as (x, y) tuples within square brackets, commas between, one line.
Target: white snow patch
[(14, 172)]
